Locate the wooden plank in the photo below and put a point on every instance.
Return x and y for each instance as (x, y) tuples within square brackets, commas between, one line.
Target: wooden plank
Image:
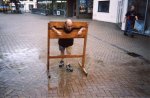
[(73, 34), (48, 51), (83, 68), (60, 25), (84, 50), (65, 56)]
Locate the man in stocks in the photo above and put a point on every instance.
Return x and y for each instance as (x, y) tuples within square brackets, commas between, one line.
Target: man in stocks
[(66, 43)]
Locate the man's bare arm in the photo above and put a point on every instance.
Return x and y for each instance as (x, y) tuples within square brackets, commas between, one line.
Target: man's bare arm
[(56, 31)]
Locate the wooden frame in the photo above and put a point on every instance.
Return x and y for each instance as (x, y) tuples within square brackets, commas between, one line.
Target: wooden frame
[(52, 35)]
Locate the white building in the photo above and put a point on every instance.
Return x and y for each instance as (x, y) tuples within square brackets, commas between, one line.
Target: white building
[(27, 5), (110, 10)]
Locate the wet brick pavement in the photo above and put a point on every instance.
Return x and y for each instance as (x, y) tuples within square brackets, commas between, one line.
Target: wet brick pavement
[(112, 72)]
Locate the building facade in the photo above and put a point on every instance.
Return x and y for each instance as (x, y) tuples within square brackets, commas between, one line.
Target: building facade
[(105, 10), (28, 5), (24, 5), (69, 8), (0, 2)]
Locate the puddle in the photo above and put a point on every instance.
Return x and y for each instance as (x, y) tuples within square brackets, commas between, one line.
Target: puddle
[(133, 54)]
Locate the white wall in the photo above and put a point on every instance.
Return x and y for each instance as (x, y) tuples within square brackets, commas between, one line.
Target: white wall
[(108, 17), (124, 13)]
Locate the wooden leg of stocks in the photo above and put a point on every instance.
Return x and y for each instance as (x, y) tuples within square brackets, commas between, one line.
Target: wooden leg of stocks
[(48, 52), (83, 69), (48, 74)]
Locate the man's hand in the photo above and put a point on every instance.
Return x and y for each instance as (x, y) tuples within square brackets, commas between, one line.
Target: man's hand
[(80, 31), (59, 33)]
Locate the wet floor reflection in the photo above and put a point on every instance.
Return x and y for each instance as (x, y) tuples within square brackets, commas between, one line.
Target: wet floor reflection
[(23, 74), (21, 71)]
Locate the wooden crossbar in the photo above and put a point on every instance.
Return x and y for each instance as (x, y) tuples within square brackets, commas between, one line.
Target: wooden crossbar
[(76, 27), (60, 25), (65, 56)]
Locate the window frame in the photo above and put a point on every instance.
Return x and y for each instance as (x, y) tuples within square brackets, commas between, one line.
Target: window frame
[(108, 6)]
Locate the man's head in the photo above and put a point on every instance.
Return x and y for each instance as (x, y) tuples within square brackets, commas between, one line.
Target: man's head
[(68, 24), (132, 8)]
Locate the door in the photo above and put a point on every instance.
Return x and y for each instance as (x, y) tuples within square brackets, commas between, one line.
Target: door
[(30, 6), (74, 8)]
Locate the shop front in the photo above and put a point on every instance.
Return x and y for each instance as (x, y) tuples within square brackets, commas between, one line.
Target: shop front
[(67, 8), (80, 8)]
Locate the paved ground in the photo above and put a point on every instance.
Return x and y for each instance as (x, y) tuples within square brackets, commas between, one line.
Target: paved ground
[(113, 73)]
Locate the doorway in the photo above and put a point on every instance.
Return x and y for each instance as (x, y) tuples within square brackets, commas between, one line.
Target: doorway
[(74, 8), (71, 8)]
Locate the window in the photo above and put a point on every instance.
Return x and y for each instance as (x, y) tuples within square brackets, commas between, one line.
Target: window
[(60, 4), (103, 6), (83, 6), (21, 6)]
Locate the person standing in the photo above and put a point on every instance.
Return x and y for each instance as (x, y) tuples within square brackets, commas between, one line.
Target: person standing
[(66, 43), (130, 18)]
